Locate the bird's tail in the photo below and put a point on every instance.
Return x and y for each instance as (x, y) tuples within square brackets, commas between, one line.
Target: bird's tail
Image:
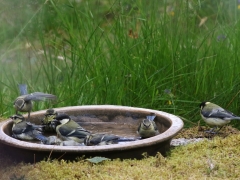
[(23, 89), (151, 117), (40, 96)]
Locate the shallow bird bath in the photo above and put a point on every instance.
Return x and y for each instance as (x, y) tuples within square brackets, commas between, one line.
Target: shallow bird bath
[(118, 120)]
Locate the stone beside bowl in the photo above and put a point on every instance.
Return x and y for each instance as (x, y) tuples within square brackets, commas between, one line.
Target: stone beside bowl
[(119, 120)]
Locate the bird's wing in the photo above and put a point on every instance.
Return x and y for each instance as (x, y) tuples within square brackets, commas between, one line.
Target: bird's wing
[(34, 126), (96, 139), (39, 96), (65, 131), (30, 127), (69, 132), (22, 127), (110, 137), (23, 89), (100, 138), (218, 113), (17, 130)]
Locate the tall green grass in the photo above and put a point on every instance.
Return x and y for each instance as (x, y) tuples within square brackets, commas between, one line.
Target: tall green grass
[(150, 54)]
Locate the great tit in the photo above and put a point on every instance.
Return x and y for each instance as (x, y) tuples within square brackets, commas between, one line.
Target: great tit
[(50, 115), (104, 139), (147, 128), (215, 115), (25, 130), (67, 129), (23, 103)]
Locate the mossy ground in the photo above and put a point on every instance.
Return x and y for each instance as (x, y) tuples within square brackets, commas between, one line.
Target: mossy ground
[(200, 132), (90, 52), (217, 158)]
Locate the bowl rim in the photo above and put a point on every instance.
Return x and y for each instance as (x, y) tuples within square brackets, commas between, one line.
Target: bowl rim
[(176, 126)]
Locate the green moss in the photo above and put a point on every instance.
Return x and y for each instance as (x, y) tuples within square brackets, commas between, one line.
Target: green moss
[(217, 158)]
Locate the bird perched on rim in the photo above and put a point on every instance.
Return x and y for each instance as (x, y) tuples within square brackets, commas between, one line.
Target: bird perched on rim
[(23, 103), (147, 128), (68, 129), (104, 139), (50, 115), (25, 130), (215, 115)]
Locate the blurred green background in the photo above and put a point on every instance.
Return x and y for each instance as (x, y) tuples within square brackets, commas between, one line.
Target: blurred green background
[(159, 54)]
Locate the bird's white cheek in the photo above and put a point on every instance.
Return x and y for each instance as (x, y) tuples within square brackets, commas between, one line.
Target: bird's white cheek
[(64, 121)]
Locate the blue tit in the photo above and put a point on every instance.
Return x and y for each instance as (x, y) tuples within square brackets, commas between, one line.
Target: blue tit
[(67, 129), (50, 115), (216, 116), (104, 139), (23, 103), (26, 131), (147, 128)]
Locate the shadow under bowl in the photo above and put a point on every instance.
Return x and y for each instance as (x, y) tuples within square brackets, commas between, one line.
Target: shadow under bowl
[(118, 120)]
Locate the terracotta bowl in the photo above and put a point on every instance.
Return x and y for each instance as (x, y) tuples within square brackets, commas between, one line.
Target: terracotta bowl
[(119, 120)]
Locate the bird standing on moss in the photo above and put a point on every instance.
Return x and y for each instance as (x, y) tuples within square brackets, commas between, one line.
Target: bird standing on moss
[(147, 128), (23, 103), (26, 131), (215, 115)]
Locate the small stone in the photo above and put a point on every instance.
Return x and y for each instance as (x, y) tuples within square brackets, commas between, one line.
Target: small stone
[(184, 141)]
